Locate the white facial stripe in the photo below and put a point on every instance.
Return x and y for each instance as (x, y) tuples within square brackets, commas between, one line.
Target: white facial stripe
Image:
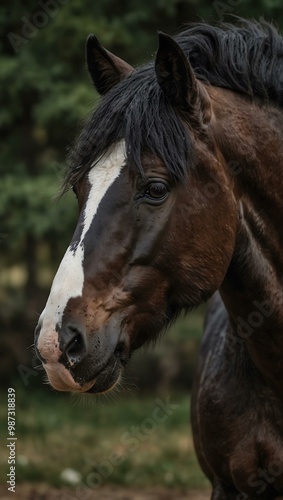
[(69, 280), (101, 177)]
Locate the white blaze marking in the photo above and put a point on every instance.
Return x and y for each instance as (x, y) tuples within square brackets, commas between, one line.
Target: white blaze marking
[(69, 280)]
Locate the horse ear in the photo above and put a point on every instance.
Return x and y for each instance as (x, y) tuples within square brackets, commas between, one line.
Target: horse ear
[(178, 81), (105, 69)]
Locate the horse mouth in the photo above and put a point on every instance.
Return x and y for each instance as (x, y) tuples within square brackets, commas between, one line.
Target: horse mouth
[(109, 376), (64, 379)]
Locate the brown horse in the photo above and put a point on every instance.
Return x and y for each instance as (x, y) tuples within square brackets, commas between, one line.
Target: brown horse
[(178, 176)]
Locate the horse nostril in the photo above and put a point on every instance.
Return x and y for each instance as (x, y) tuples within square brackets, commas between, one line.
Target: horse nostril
[(73, 345)]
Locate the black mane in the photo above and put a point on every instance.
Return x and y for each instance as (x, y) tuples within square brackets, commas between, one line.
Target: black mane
[(247, 58)]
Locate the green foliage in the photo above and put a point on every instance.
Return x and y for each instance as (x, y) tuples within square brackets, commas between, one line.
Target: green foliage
[(33, 210), (56, 432)]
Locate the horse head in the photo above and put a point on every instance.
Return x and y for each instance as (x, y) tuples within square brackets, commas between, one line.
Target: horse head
[(157, 222)]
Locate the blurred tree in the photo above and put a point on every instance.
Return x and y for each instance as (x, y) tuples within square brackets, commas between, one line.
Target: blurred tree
[(45, 93)]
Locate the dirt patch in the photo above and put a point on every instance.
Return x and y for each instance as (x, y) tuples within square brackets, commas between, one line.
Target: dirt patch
[(44, 492)]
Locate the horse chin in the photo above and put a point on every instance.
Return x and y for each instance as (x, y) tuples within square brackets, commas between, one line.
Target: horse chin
[(103, 385)]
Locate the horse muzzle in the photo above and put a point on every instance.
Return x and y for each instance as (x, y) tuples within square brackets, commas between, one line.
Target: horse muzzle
[(79, 361)]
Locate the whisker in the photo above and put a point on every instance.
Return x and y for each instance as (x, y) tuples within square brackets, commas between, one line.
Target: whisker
[(39, 368)]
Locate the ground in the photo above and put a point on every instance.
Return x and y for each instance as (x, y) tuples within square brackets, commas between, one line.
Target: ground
[(43, 492)]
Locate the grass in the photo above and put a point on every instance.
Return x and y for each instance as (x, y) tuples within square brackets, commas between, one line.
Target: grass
[(125, 442)]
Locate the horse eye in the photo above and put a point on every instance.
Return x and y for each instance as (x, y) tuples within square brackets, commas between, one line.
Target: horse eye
[(157, 190)]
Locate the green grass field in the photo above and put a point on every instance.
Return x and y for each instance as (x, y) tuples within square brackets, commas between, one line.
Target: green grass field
[(122, 440)]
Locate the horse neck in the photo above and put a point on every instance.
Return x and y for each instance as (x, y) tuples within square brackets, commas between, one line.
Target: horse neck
[(252, 136)]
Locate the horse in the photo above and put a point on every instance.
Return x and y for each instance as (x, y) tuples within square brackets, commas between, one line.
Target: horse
[(178, 176)]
